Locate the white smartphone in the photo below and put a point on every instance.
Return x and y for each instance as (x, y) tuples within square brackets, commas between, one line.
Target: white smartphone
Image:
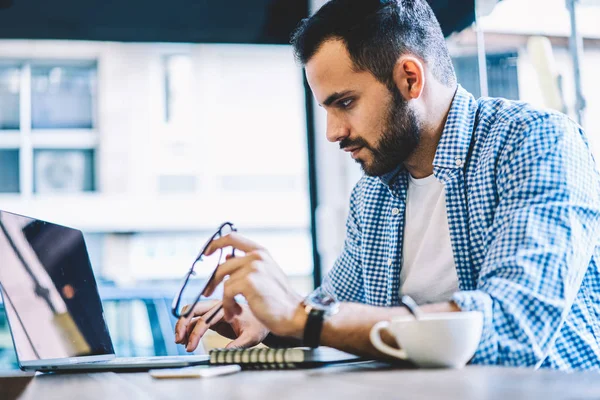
[(201, 371)]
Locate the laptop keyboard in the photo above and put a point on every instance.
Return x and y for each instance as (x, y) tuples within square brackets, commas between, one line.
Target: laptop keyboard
[(147, 360)]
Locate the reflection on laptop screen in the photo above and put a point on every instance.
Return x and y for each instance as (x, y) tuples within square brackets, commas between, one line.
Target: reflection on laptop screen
[(49, 291)]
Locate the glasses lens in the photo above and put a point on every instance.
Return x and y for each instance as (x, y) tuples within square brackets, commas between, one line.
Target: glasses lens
[(227, 251), (203, 270)]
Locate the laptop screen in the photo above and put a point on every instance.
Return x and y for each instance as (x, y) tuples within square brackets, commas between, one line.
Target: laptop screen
[(49, 291)]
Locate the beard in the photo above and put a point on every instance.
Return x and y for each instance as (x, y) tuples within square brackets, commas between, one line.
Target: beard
[(399, 139)]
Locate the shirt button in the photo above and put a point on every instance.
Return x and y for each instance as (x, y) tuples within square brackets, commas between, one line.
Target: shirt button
[(395, 211), (390, 262), (459, 162)]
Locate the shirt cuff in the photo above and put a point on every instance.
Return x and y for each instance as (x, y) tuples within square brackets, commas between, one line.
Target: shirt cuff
[(476, 300)]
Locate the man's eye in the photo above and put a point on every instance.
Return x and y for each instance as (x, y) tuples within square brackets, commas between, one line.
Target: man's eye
[(345, 103)]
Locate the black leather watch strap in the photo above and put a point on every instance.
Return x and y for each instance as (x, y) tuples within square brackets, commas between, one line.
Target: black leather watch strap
[(312, 330)]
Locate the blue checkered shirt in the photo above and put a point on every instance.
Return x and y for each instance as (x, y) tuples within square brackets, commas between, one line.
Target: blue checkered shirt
[(523, 205)]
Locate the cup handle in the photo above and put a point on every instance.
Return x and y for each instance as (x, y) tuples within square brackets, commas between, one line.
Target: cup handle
[(380, 345)]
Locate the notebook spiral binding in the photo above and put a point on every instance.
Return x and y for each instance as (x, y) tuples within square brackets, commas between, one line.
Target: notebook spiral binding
[(254, 359)]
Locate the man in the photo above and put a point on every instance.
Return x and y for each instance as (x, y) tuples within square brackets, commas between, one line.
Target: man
[(466, 205)]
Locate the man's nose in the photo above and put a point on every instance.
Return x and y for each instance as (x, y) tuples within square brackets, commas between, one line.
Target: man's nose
[(336, 129)]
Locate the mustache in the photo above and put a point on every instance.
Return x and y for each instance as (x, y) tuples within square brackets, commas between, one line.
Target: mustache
[(357, 142)]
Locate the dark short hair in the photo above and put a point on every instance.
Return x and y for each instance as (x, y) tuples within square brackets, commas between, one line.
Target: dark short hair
[(376, 33)]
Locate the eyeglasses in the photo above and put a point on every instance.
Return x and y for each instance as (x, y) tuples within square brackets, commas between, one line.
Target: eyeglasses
[(193, 285)]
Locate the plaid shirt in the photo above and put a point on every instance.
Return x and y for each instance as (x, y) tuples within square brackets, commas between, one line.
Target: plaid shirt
[(523, 204)]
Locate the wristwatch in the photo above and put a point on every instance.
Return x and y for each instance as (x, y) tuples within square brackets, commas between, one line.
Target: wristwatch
[(318, 305)]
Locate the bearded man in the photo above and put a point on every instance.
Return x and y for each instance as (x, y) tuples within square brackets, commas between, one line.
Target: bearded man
[(481, 205)]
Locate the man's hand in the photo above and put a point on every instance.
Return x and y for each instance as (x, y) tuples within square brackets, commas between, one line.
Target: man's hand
[(244, 328), (262, 283)]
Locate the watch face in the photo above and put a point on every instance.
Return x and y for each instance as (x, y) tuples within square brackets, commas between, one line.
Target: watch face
[(322, 300)]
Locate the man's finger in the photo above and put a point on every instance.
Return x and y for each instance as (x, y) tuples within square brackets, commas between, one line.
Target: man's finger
[(232, 288), (200, 329), (200, 309), (189, 329), (225, 269), (194, 321), (234, 240)]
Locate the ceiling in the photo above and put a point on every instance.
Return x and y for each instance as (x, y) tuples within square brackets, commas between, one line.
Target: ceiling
[(211, 21)]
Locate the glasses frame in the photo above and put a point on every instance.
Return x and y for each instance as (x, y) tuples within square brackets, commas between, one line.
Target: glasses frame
[(177, 299)]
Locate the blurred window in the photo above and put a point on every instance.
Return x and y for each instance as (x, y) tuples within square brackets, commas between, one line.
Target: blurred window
[(95, 247), (8, 359), (9, 165), (10, 83), (177, 183), (62, 97), (502, 74), (47, 121), (129, 325), (178, 90), (63, 171)]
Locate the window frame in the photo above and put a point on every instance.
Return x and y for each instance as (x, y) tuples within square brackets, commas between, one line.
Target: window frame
[(27, 140)]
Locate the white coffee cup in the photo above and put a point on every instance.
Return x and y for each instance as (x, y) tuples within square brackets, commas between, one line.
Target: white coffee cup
[(433, 340)]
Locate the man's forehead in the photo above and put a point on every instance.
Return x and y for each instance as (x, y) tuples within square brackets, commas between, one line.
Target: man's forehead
[(330, 69), (330, 53)]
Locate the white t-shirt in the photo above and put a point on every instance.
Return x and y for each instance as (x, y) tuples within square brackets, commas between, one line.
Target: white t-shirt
[(428, 272)]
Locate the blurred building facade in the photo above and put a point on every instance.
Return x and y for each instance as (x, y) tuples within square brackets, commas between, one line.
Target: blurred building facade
[(148, 147)]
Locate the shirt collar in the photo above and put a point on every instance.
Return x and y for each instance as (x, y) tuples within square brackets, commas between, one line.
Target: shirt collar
[(453, 148), (454, 143), (388, 179)]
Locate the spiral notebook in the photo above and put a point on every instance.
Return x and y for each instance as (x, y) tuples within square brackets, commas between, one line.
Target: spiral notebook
[(289, 358)]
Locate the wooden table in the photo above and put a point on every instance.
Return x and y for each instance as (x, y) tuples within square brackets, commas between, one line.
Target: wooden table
[(366, 382)]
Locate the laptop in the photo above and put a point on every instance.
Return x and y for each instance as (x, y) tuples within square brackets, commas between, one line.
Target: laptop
[(52, 303)]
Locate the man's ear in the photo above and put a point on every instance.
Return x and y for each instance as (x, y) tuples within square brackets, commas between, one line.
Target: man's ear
[(409, 77)]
